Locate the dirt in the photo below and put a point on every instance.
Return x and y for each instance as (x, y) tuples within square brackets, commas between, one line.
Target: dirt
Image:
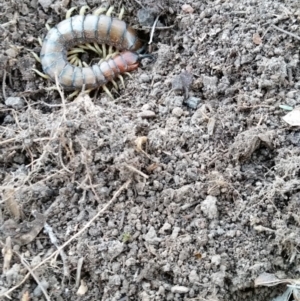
[(185, 186)]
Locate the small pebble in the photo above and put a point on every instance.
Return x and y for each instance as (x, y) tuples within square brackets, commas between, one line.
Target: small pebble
[(177, 289), (193, 276), (45, 3), (146, 114), (144, 78), (192, 102), (145, 17), (15, 102), (209, 207), (216, 260), (177, 112)]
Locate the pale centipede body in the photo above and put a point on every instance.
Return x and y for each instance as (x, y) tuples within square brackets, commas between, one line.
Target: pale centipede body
[(80, 29)]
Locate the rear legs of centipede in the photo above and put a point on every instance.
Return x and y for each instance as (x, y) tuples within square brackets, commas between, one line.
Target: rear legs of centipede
[(101, 51)]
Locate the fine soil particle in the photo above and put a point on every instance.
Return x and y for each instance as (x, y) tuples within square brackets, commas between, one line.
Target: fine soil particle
[(185, 186)]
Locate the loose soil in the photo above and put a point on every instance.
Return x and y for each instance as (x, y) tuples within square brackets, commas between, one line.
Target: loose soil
[(185, 186)]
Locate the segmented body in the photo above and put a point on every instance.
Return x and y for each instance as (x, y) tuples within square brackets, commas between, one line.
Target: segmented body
[(79, 29)]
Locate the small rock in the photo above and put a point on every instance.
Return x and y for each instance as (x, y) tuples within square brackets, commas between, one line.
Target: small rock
[(165, 228), (209, 207), (210, 82), (177, 112), (216, 260), (115, 280), (146, 114), (192, 102), (151, 236), (15, 102), (177, 289), (38, 291), (145, 17), (182, 82), (144, 78), (187, 8), (145, 296), (193, 276), (130, 261), (115, 249), (45, 3), (175, 232)]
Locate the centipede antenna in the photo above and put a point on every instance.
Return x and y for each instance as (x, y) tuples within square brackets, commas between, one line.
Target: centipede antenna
[(147, 55), (152, 30)]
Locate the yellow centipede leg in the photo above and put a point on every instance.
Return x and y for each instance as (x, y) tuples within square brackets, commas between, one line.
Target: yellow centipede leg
[(107, 91), (40, 73), (104, 50), (109, 11), (83, 9), (75, 51), (115, 84), (122, 80), (99, 11), (35, 56), (40, 41), (75, 93), (122, 12), (127, 73), (69, 12)]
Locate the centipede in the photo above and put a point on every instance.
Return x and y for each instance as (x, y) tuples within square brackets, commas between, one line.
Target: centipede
[(80, 29)]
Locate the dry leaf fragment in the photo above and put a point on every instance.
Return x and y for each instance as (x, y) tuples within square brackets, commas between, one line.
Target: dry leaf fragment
[(139, 143), (152, 167), (11, 203), (267, 279), (211, 125), (256, 39), (82, 288), (293, 117), (7, 255), (25, 296), (24, 232)]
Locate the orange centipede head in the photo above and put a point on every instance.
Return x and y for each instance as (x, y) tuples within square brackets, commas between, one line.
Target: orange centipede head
[(132, 60)]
